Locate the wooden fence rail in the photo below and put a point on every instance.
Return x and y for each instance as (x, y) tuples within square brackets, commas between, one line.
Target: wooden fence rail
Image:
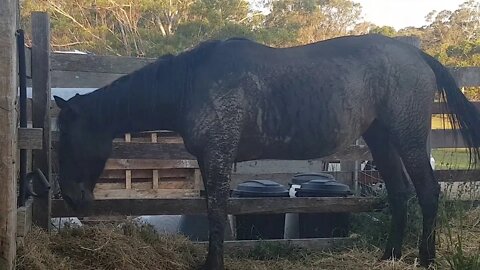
[(236, 206), (77, 71)]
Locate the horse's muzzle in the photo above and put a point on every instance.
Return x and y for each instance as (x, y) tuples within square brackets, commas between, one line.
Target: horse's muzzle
[(80, 200)]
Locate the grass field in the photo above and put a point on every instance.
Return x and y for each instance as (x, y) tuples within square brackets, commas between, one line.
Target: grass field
[(451, 158)]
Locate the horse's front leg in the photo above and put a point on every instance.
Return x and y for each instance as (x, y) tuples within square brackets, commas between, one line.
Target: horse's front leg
[(216, 169)]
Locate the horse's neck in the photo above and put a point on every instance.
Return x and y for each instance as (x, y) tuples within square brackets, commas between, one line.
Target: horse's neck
[(138, 102)]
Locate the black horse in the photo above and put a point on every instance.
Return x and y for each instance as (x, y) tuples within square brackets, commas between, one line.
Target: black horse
[(238, 100)]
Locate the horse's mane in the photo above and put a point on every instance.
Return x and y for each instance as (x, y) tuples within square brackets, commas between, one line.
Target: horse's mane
[(92, 104)]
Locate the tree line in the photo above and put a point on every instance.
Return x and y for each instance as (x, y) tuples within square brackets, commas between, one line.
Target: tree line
[(152, 28)]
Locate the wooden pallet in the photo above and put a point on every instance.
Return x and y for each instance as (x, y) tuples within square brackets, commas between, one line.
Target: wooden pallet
[(149, 178)]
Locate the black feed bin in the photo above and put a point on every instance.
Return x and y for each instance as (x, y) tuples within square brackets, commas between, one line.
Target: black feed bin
[(305, 177), (299, 179), (260, 226), (323, 225)]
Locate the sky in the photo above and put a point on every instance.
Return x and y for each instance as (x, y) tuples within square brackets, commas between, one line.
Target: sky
[(403, 13)]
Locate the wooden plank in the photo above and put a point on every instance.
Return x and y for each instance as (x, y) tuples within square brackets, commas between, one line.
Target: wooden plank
[(80, 65), (121, 150), (30, 138), (154, 137), (24, 219), (149, 164), (155, 179), (103, 64), (451, 176), (8, 132), (301, 205), (68, 79), (173, 184), (41, 96), (28, 62), (466, 76), (189, 206), (198, 180), (307, 243), (128, 179), (162, 174), (128, 173), (117, 194), (134, 150), (146, 140), (147, 180), (447, 138)]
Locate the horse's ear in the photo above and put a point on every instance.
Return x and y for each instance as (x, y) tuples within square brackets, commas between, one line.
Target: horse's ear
[(61, 103)]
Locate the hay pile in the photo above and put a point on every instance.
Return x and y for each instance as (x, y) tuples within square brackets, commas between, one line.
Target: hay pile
[(105, 247), (351, 259), (134, 246), (108, 247)]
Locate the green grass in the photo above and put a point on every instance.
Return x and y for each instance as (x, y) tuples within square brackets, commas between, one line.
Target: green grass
[(451, 158)]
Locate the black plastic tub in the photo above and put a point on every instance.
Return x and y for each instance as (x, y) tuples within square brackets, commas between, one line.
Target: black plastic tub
[(323, 225), (301, 178), (260, 226)]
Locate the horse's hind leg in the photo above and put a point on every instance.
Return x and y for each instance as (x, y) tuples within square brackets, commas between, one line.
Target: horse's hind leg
[(413, 152), (409, 127), (390, 166)]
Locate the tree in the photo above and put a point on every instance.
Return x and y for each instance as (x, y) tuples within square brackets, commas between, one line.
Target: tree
[(140, 28), (453, 37), (384, 30), (311, 20)]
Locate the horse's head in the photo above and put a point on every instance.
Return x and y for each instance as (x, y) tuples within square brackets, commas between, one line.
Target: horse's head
[(82, 152)]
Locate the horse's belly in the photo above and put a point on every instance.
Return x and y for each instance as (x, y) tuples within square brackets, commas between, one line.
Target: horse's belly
[(287, 148)]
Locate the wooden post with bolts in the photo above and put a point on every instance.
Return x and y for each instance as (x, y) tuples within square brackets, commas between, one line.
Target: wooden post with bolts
[(8, 133)]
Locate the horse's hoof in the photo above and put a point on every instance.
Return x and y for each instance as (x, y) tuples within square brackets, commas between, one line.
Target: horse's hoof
[(212, 265), (391, 255), (427, 263), (209, 267)]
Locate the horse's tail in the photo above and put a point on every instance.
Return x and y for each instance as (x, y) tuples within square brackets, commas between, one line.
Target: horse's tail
[(463, 114)]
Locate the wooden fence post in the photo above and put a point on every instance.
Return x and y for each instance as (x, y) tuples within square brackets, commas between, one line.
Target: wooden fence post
[(8, 133), (41, 111)]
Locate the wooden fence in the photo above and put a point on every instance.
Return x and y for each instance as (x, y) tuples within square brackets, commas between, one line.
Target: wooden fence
[(147, 170)]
